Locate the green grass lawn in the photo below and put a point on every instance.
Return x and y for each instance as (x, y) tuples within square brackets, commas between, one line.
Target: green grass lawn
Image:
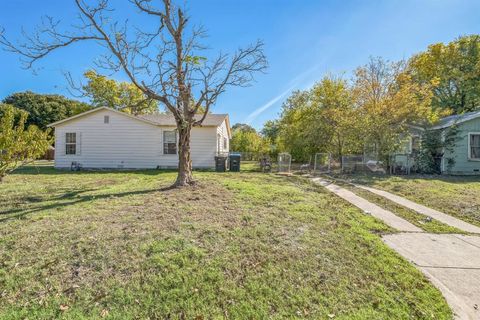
[(423, 222), (122, 245), (454, 195)]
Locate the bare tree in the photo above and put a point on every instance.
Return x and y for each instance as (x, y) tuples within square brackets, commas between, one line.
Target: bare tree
[(165, 63)]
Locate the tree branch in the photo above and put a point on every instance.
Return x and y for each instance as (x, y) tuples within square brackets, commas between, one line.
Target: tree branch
[(164, 63)]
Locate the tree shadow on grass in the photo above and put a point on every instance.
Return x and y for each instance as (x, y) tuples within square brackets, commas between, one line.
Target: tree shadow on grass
[(49, 170), (66, 195), (21, 213)]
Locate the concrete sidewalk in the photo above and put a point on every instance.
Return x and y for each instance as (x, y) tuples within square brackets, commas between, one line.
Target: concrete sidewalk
[(437, 215), (386, 216), (450, 262)]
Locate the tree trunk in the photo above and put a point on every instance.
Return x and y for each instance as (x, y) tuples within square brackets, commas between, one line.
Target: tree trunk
[(184, 177), (340, 152)]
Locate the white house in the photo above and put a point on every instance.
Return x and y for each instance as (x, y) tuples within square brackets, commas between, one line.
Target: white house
[(106, 138)]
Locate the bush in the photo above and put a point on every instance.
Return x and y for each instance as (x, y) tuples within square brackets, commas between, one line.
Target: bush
[(18, 145), (434, 143)]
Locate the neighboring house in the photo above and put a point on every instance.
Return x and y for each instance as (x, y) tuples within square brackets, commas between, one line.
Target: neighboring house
[(466, 152), (404, 159), (106, 138)]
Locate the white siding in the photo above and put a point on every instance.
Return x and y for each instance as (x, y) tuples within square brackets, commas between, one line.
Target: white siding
[(222, 133), (127, 143), (202, 148)]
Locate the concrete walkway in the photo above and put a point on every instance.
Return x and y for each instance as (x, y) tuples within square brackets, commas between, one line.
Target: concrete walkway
[(437, 215), (451, 262), (386, 216)]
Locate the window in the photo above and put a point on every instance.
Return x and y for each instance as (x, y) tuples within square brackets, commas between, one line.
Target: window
[(415, 144), (71, 143), (169, 142), (225, 144), (474, 145), (106, 119)]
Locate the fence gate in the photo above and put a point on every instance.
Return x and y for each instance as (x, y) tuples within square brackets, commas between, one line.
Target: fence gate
[(322, 163), (284, 162), (352, 163), (401, 164)]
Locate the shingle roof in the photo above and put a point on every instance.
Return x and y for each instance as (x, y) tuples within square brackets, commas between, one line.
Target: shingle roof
[(455, 119), (169, 120), (211, 120)]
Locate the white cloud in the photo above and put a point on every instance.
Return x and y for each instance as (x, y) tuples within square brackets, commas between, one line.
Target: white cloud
[(252, 116), (295, 83)]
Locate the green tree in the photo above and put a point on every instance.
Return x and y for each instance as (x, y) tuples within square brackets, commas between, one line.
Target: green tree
[(373, 114), (339, 123), (293, 136), (389, 102), (454, 68), (243, 127), (44, 109), (18, 145), (434, 145), (270, 132), (247, 139), (322, 119), (122, 96)]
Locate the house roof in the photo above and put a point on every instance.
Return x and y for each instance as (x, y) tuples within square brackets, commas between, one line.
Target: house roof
[(168, 119), (456, 119), (80, 115), (211, 120)]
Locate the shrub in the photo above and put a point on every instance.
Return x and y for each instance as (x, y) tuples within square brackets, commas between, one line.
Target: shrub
[(18, 145)]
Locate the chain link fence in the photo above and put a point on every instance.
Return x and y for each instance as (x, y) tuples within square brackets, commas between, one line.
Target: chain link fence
[(325, 163), (284, 162), (362, 164)]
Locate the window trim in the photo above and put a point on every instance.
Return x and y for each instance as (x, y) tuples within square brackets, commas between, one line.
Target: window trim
[(70, 144), (412, 137), (219, 143), (163, 143), (470, 134)]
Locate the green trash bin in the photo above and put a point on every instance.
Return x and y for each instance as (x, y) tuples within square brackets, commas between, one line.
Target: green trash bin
[(234, 159), (220, 163)]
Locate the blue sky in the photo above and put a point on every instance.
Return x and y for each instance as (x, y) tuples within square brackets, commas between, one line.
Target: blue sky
[(305, 39)]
